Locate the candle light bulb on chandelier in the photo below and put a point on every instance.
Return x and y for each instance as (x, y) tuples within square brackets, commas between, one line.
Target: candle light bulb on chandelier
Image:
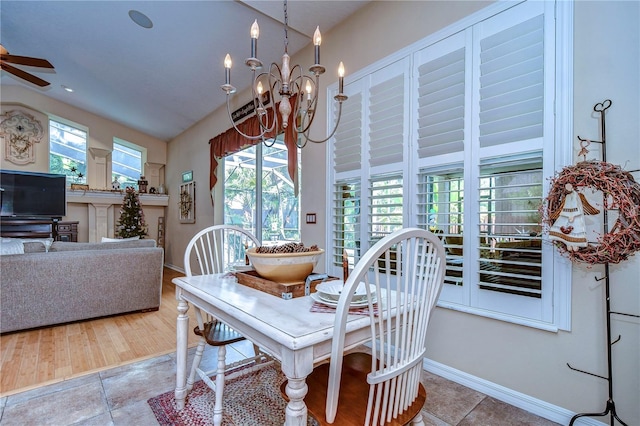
[(317, 40), (255, 33), (308, 89), (227, 69), (227, 87), (317, 37), (259, 89)]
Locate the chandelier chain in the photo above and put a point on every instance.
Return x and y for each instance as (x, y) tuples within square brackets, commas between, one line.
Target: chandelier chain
[(286, 28)]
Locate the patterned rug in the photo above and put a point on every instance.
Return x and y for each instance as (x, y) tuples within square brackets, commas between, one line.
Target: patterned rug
[(250, 400)]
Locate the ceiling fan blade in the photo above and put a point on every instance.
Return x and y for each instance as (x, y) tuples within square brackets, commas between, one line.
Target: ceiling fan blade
[(24, 75), (25, 60)]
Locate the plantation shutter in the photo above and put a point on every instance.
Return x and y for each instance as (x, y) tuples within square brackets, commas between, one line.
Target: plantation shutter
[(510, 245), (512, 83), (441, 210), (348, 137), (387, 118), (346, 220), (441, 103), (385, 205)]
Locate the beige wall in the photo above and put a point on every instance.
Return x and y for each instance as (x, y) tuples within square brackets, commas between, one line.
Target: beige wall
[(101, 133), (526, 360)]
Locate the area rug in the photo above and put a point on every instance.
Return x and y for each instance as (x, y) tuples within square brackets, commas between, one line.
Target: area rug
[(253, 399)]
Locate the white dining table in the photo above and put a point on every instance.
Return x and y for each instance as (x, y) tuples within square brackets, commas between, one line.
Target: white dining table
[(286, 329)]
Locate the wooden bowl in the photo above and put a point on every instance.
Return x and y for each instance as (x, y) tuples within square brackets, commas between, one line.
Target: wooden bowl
[(284, 267)]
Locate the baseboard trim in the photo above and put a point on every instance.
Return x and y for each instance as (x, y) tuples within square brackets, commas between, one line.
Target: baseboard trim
[(174, 267), (517, 399)]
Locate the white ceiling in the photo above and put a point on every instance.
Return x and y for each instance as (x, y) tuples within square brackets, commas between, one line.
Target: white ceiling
[(162, 80)]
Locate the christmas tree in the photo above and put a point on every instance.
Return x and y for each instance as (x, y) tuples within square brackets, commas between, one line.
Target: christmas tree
[(131, 222)]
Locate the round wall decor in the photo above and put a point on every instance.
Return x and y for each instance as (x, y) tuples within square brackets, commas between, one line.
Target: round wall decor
[(621, 193)]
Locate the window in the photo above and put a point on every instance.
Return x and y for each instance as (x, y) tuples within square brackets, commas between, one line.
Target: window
[(346, 221), (272, 196), (126, 163), (484, 133), (440, 208), (68, 151), (385, 205), (510, 245), (368, 155)]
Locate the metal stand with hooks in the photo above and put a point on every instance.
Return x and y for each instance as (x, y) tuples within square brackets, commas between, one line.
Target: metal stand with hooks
[(610, 407)]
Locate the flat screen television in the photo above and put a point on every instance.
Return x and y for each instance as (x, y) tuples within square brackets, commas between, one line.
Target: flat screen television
[(32, 194)]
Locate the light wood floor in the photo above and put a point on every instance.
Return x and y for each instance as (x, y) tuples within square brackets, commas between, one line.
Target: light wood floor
[(38, 357)]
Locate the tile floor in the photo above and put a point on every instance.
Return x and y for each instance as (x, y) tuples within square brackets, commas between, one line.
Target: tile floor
[(118, 396)]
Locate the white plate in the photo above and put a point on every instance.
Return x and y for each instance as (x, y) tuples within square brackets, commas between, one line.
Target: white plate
[(334, 304), (331, 290)]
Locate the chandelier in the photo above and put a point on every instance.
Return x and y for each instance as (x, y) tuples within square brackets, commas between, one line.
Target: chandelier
[(297, 93)]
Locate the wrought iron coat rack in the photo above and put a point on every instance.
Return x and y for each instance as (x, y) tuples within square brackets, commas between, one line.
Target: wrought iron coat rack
[(610, 407)]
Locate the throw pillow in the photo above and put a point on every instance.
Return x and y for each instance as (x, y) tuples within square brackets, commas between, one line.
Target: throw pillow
[(11, 246), (37, 245)]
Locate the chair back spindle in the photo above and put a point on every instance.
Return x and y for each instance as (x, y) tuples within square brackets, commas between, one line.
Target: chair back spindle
[(406, 268), (213, 249)]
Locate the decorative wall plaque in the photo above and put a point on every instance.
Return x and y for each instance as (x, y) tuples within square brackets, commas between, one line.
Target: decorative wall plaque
[(187, 202), (21, 132)]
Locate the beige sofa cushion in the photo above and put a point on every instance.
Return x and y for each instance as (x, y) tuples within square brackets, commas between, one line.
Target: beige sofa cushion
[(67, 246)]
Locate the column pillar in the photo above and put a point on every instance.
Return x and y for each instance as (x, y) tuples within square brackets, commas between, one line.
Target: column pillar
[(100, 179), (101, 222)]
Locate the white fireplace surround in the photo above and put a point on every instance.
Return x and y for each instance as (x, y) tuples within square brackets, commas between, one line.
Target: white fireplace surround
[(101, 206)]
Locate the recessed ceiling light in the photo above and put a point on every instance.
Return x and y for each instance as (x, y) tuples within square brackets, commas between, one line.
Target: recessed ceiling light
[(68, 89), (140, 19)]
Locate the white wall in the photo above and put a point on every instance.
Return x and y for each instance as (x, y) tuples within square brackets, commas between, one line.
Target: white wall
[(526, 360)]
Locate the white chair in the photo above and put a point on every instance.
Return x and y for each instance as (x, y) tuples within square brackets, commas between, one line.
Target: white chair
[(383, 388), (212, 251)]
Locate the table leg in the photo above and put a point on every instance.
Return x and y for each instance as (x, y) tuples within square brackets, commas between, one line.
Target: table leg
[(182, 330), (296, 411), (297, 365)]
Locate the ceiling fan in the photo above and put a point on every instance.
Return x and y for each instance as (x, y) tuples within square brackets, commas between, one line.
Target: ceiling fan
[(6, 58)]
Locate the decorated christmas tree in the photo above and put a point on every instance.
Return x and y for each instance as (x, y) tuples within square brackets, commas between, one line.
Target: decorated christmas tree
[(131, 222)]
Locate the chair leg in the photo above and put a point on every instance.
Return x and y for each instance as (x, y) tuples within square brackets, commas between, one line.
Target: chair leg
[(217, 408), (196, 363), (417, 420), (199, 351)]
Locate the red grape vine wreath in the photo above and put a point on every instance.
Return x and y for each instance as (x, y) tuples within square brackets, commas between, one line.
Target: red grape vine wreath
[(621, 192)]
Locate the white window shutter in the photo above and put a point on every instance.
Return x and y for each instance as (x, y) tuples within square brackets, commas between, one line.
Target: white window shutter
[(346, 211), (512, 83), (386, 121), (348, 138), (385, 205), (441, 103)]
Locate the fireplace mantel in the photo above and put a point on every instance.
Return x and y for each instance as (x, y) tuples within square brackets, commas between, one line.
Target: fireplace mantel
[(113, 197), (102, 205)]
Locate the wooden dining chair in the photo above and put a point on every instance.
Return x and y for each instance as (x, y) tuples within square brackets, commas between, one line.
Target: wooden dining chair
[(406, 269), (212, 251)]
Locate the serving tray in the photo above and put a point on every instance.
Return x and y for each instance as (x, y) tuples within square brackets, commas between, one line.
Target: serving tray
[(282, 290)]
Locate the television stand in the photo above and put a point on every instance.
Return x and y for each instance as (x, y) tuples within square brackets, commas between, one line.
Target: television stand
[(39, 228)]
